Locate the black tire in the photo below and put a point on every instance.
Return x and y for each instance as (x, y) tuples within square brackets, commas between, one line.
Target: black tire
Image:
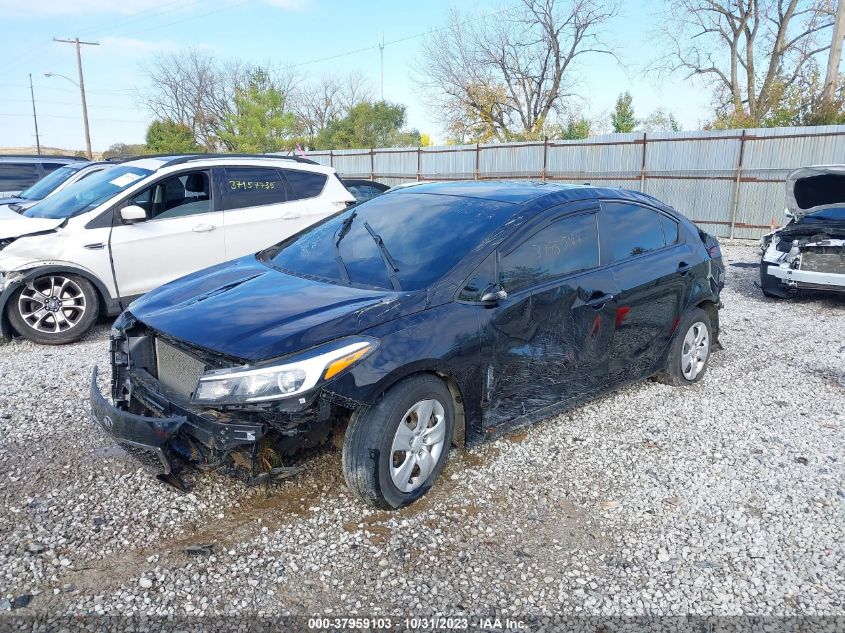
[(771, 286), (77, 313), (674, 373), (367, 456)]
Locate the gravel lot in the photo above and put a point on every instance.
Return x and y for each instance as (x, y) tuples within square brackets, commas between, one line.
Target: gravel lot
[(721, 499)]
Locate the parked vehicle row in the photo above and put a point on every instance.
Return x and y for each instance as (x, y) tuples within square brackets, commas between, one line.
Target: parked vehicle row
[(93, 247), (17, 172), (50, 184)]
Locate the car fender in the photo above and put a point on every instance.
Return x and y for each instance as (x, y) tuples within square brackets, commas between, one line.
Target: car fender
[(111, 305)]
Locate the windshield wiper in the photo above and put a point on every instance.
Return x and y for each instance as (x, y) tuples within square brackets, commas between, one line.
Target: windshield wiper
[(341, 233), (16, 207), (388, 260)]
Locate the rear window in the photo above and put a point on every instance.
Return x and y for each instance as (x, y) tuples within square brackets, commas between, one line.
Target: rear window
[(17, 176), (304, 184), (253, 187), (426, 236), (634, 230)]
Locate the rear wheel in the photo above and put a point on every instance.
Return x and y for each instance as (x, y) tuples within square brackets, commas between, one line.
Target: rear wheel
[(54, 309), (395, 450), (690, 350)]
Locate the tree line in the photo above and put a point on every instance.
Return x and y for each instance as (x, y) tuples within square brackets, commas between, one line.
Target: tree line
[(512, 75)]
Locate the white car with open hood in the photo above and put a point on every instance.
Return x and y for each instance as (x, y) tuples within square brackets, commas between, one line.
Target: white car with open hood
[(98, 244), (808, 253)]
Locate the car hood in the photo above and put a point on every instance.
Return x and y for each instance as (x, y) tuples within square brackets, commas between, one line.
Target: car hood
[(812, 189), (14, 225), (246, 310)]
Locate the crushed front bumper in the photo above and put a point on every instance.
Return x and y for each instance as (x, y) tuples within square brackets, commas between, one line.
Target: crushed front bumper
[(163, 444)]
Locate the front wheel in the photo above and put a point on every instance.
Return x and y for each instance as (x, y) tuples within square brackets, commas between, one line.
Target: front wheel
[(394, 451), (54, 309), (690, 350)]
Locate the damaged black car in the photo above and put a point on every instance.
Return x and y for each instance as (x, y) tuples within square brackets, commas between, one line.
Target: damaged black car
[(429, 317)]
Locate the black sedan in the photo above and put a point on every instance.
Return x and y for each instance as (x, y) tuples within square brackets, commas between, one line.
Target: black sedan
[(434, 316)]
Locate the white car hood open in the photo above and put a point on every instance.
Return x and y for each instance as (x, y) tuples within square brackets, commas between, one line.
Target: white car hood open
[(811, 189), (19, 225)]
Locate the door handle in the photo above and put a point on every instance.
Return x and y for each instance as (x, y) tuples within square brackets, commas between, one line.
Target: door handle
[(291, 215), (203, 228), (598, 302), (683, 268)]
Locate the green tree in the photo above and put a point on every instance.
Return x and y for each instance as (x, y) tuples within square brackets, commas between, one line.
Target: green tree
[(661, 120), (622, 118), (369, 124), (166, 136), (260, 122), (576, 128), (124, 150)]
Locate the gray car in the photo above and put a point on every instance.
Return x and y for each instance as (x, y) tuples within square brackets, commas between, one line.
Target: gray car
[(19, 171)]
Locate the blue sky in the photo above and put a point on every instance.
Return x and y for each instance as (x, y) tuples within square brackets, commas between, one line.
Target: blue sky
[(283, 32)]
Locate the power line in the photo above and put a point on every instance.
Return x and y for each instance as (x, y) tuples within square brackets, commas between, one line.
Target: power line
[(60, 116)]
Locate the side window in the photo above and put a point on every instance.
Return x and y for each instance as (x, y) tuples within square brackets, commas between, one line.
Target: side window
[(304, 184), (177, 196), (634, 230), (479, 280), (17, 176), (568, 246), (252, 187), (670, 229), (51, 167)]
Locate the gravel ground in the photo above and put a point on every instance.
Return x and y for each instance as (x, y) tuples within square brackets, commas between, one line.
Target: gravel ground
[(725, 498)]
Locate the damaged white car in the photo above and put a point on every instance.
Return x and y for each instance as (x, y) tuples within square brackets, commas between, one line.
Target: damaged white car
[(808, 253)]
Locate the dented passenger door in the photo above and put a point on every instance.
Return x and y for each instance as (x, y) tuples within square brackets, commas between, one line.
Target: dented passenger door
[(547, 343)]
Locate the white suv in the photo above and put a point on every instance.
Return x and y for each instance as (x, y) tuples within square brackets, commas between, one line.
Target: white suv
[(95, 246)]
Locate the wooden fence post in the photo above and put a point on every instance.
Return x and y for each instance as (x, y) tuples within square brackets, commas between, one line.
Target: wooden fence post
[(642, 166), (737, 183)]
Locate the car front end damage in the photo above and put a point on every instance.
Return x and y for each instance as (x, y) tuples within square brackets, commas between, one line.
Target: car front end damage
[(792, 261), (160, 417)]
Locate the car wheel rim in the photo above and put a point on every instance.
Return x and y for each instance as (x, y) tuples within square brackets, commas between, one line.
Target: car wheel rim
[(417, 445), (695, 351), (52, 304)]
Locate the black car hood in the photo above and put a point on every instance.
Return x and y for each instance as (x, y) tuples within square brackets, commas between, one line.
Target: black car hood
[(246, 310)]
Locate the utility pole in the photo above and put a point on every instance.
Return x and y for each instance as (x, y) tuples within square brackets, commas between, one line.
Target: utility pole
[(34, 116), (77, 43), (835, 57), (381, 55)]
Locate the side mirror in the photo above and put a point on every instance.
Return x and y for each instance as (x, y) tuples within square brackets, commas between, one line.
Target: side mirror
[(133, 213), (492, 295)]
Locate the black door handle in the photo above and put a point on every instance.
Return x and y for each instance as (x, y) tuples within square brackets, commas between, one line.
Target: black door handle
[(598, 302), (684, 268)]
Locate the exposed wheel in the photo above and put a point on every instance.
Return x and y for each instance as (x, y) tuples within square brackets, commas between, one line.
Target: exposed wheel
[(771, 286), (395, 450), (690, 350), (54, 309)]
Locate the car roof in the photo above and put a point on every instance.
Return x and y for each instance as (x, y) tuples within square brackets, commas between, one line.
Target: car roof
[(539, 194), (159, 161), (36, 158)]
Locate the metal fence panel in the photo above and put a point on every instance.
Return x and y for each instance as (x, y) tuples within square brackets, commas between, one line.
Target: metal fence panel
[(729, 181)]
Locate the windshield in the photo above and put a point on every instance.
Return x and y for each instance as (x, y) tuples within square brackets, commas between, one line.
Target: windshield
[(422, 235), (88, 193), (48, 184)]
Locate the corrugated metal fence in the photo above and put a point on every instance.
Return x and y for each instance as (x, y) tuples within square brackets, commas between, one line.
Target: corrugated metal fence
[(730, 182)]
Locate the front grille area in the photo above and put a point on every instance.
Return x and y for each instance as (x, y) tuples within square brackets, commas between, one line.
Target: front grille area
[(177, 370)]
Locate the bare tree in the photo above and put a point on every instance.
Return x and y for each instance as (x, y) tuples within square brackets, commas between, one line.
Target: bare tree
[(503, 76), (751, 51), (192, 88), (328, 99)]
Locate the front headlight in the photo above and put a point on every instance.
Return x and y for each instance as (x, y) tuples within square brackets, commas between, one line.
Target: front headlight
[(291, 377)]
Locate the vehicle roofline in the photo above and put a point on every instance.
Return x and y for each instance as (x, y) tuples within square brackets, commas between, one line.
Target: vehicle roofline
[(39, 157)]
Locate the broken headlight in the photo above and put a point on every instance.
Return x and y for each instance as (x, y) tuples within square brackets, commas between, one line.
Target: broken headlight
[(295, 375)]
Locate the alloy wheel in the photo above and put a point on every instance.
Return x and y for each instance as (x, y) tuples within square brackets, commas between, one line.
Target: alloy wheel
[(417, 445), (695, 351), (52, 304)]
